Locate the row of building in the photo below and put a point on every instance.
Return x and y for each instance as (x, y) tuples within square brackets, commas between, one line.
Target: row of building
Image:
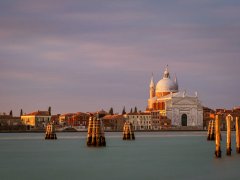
[(142, 121), (79, 120), (168, 108)]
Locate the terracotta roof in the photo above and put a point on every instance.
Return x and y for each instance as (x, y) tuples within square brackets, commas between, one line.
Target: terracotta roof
[(115, 116), (81, 113), (56, 115), (139, 113), (228, 111), (38, 113), (101, 112), (68, 114), (220, 110)]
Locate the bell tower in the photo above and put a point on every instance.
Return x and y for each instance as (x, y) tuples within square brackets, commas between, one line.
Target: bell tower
[(152, 88), (151, 93)]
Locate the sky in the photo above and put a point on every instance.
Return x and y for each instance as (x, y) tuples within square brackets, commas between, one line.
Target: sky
[(95, 54)]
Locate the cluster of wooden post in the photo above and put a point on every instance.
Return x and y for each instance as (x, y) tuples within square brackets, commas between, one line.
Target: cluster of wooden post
[(218, 136), (128, 133), (50, 132), (95, 132), (211, 129)]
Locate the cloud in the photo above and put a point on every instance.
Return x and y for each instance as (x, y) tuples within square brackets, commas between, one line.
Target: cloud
[(97, 54)]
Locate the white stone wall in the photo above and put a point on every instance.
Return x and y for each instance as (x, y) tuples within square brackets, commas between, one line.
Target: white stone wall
[(190, 106), (174, 115), (200, 117)]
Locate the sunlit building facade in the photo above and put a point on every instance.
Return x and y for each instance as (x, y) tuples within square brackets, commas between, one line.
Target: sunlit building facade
[(140, 120), (182, 109), (37, 119)]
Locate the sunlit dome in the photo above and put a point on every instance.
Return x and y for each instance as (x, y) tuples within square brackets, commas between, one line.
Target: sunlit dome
[(166, 84)]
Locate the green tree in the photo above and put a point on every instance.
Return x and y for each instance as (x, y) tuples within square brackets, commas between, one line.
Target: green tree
[(135, 110), (10, 113), (49, 110), (131, 110), (123, 111), (111, 111)]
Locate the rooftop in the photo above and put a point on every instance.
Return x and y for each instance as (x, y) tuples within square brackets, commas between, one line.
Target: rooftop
[(38, 113)]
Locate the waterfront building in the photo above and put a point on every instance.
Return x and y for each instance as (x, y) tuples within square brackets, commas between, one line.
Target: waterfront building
[(79, 120), (155, 120), (182, 109), (37, 119), (208, 115), (113, 122), (11, 123), (140, 120), (55, 119), (235, 112), (64, 118), (9, 120), (159, 122), (101, 113)]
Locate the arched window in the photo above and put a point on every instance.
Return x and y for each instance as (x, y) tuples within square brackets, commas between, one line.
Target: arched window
[(184, 120)]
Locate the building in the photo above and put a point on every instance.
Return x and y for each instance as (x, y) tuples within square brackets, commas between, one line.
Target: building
[(159, 122), (55, 119), (208, 114), (140, 120), (223, 113), (78, 120), (113, 122), (38, 119), (101, 113), (182, 109), (11, 123), (64, 118)]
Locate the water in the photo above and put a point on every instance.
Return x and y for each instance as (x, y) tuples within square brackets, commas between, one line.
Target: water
[(152, 156)]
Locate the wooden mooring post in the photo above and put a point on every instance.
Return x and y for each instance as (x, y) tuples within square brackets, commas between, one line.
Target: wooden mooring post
[(90, 128), (237, 135), (218, 137), (211, 131), (229, 149), (128, 133), (95, 135), (50, 132)]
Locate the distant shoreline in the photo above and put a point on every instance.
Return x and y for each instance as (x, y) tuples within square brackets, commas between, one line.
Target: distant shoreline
[(41, 131)]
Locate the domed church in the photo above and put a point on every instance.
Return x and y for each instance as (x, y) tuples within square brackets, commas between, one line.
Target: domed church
[(166, 99)]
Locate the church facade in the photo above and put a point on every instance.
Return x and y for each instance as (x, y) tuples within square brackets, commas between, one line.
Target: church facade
[(165, 98)]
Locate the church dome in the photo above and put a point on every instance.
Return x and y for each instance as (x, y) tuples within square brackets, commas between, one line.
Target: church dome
[(166, 84)]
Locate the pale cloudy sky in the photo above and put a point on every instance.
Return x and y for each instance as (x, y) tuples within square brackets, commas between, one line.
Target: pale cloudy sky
[(86, 55)]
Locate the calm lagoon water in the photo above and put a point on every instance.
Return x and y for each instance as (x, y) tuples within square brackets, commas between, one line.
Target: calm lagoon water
[(152, 156)]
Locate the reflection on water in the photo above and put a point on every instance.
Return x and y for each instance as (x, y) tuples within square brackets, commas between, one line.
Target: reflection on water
[(153, 155)]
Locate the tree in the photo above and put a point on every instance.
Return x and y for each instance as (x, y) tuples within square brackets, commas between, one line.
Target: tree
[(21, 112), (131, 110), (10, 114), (111, 111), (49, 110), (135, 110), (123, 111)]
